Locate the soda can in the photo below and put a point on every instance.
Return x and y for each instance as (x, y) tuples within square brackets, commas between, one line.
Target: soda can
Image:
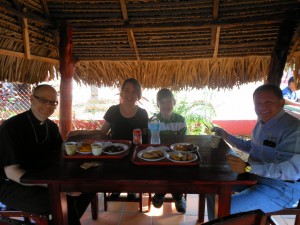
[(137, 136)]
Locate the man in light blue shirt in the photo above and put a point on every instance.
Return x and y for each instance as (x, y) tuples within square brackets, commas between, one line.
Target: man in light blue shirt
[(274, 156)]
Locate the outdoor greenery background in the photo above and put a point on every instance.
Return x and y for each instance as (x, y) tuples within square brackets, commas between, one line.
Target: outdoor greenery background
[(197, 106)]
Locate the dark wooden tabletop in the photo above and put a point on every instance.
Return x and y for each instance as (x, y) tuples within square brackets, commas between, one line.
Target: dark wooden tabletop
[(211, 175), (212, 168)]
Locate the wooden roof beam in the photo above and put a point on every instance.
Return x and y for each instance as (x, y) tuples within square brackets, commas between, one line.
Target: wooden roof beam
[(28, 16), (54, 34), (25, 32), (33, 57), (215, 18), (216, 45), (130, 33), (26, 40), (215, 30), (88, 27)]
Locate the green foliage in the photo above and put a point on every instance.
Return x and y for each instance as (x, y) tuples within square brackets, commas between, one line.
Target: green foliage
[(198, 115)]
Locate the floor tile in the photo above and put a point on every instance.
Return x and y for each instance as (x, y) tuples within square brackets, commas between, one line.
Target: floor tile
[(173, 219), (127, 213), (136, 218)]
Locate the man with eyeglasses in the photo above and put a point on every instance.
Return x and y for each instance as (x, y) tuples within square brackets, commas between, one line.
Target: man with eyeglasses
[(27, 140)]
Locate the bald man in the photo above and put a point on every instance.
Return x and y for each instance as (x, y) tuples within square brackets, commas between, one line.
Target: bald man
[(26, 140)]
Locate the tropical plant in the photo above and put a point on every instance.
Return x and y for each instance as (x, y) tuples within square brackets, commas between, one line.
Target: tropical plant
[(198, 115)]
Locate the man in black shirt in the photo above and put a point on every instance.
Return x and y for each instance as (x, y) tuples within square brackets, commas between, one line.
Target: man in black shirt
[(26, 141)]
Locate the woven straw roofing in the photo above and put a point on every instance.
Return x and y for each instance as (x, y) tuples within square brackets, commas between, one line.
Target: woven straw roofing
[(171, 43)]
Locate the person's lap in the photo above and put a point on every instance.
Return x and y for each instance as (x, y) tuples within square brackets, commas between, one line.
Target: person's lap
[(35, 199), (268, 195), (32, 199)]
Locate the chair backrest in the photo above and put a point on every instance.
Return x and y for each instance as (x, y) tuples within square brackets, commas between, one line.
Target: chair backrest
[(7, 216), (288, 211), (255, 217)]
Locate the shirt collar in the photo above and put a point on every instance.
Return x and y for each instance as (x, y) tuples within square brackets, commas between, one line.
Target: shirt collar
[(162, 119), (34, 119), (274, 119)]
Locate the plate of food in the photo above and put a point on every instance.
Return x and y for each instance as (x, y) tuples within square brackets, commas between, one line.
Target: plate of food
[(152, 154), (181, 157), (115, 148), (184, 147), (84, 148)]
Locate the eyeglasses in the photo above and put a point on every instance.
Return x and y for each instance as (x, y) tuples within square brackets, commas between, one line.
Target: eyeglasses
[(45, 101)]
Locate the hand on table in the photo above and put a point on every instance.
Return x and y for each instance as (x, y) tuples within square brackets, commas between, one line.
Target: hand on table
[(236, 164)]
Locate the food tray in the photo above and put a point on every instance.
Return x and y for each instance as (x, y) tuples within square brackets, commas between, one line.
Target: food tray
[(163, 162), (103, 155)]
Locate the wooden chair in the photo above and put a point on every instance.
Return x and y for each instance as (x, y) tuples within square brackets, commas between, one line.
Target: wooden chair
[(10, 216), (139, 199), (255, 217), (289, 211)]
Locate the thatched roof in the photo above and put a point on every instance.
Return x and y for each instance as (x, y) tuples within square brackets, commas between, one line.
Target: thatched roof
[(170, 43)]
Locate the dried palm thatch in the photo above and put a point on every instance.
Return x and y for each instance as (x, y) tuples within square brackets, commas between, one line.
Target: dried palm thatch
[(214, 73), (162, 43), (14, 69)]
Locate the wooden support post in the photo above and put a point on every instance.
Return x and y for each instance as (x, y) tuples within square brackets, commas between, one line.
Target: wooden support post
[(297, 72), (67, 67), (281, 49)]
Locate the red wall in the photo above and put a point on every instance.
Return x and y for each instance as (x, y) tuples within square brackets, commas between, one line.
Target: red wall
[(237, 127)]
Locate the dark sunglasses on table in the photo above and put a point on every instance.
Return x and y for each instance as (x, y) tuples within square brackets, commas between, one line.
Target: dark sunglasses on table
[(45, 101)]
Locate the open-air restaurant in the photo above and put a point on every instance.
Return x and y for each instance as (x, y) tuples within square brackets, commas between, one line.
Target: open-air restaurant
[(210, 171)]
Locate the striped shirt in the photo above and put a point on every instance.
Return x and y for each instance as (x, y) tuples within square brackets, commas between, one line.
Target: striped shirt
[(175, 125)]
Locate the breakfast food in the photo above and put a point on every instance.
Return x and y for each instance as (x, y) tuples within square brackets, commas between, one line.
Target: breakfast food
[(181, 157), (156, 154), (85, 148), (185, 147), (113, 149)]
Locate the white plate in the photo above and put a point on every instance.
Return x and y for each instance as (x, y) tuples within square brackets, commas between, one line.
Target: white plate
[(125, 147), (84, 153), (173, 146), (140, 154), (195, 157)]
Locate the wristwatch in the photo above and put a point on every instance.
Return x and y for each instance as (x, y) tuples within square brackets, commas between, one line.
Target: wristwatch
[(248, 168)]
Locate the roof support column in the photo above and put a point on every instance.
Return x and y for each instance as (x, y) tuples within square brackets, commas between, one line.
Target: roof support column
[(281, 49), (67, 67)]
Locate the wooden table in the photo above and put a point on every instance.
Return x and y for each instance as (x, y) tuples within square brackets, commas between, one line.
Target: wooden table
[(212, 175)]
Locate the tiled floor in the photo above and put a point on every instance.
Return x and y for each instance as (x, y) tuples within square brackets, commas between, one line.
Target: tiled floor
[(127, 213)]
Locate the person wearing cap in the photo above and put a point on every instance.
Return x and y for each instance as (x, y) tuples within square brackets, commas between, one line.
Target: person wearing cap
[(171, 123), (289, 93), (274, 157)]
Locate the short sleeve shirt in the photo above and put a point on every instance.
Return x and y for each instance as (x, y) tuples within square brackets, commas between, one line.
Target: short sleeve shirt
[(175, 125), (122, 127)]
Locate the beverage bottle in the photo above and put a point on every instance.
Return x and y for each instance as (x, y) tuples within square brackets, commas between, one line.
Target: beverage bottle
[(154, 127)]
